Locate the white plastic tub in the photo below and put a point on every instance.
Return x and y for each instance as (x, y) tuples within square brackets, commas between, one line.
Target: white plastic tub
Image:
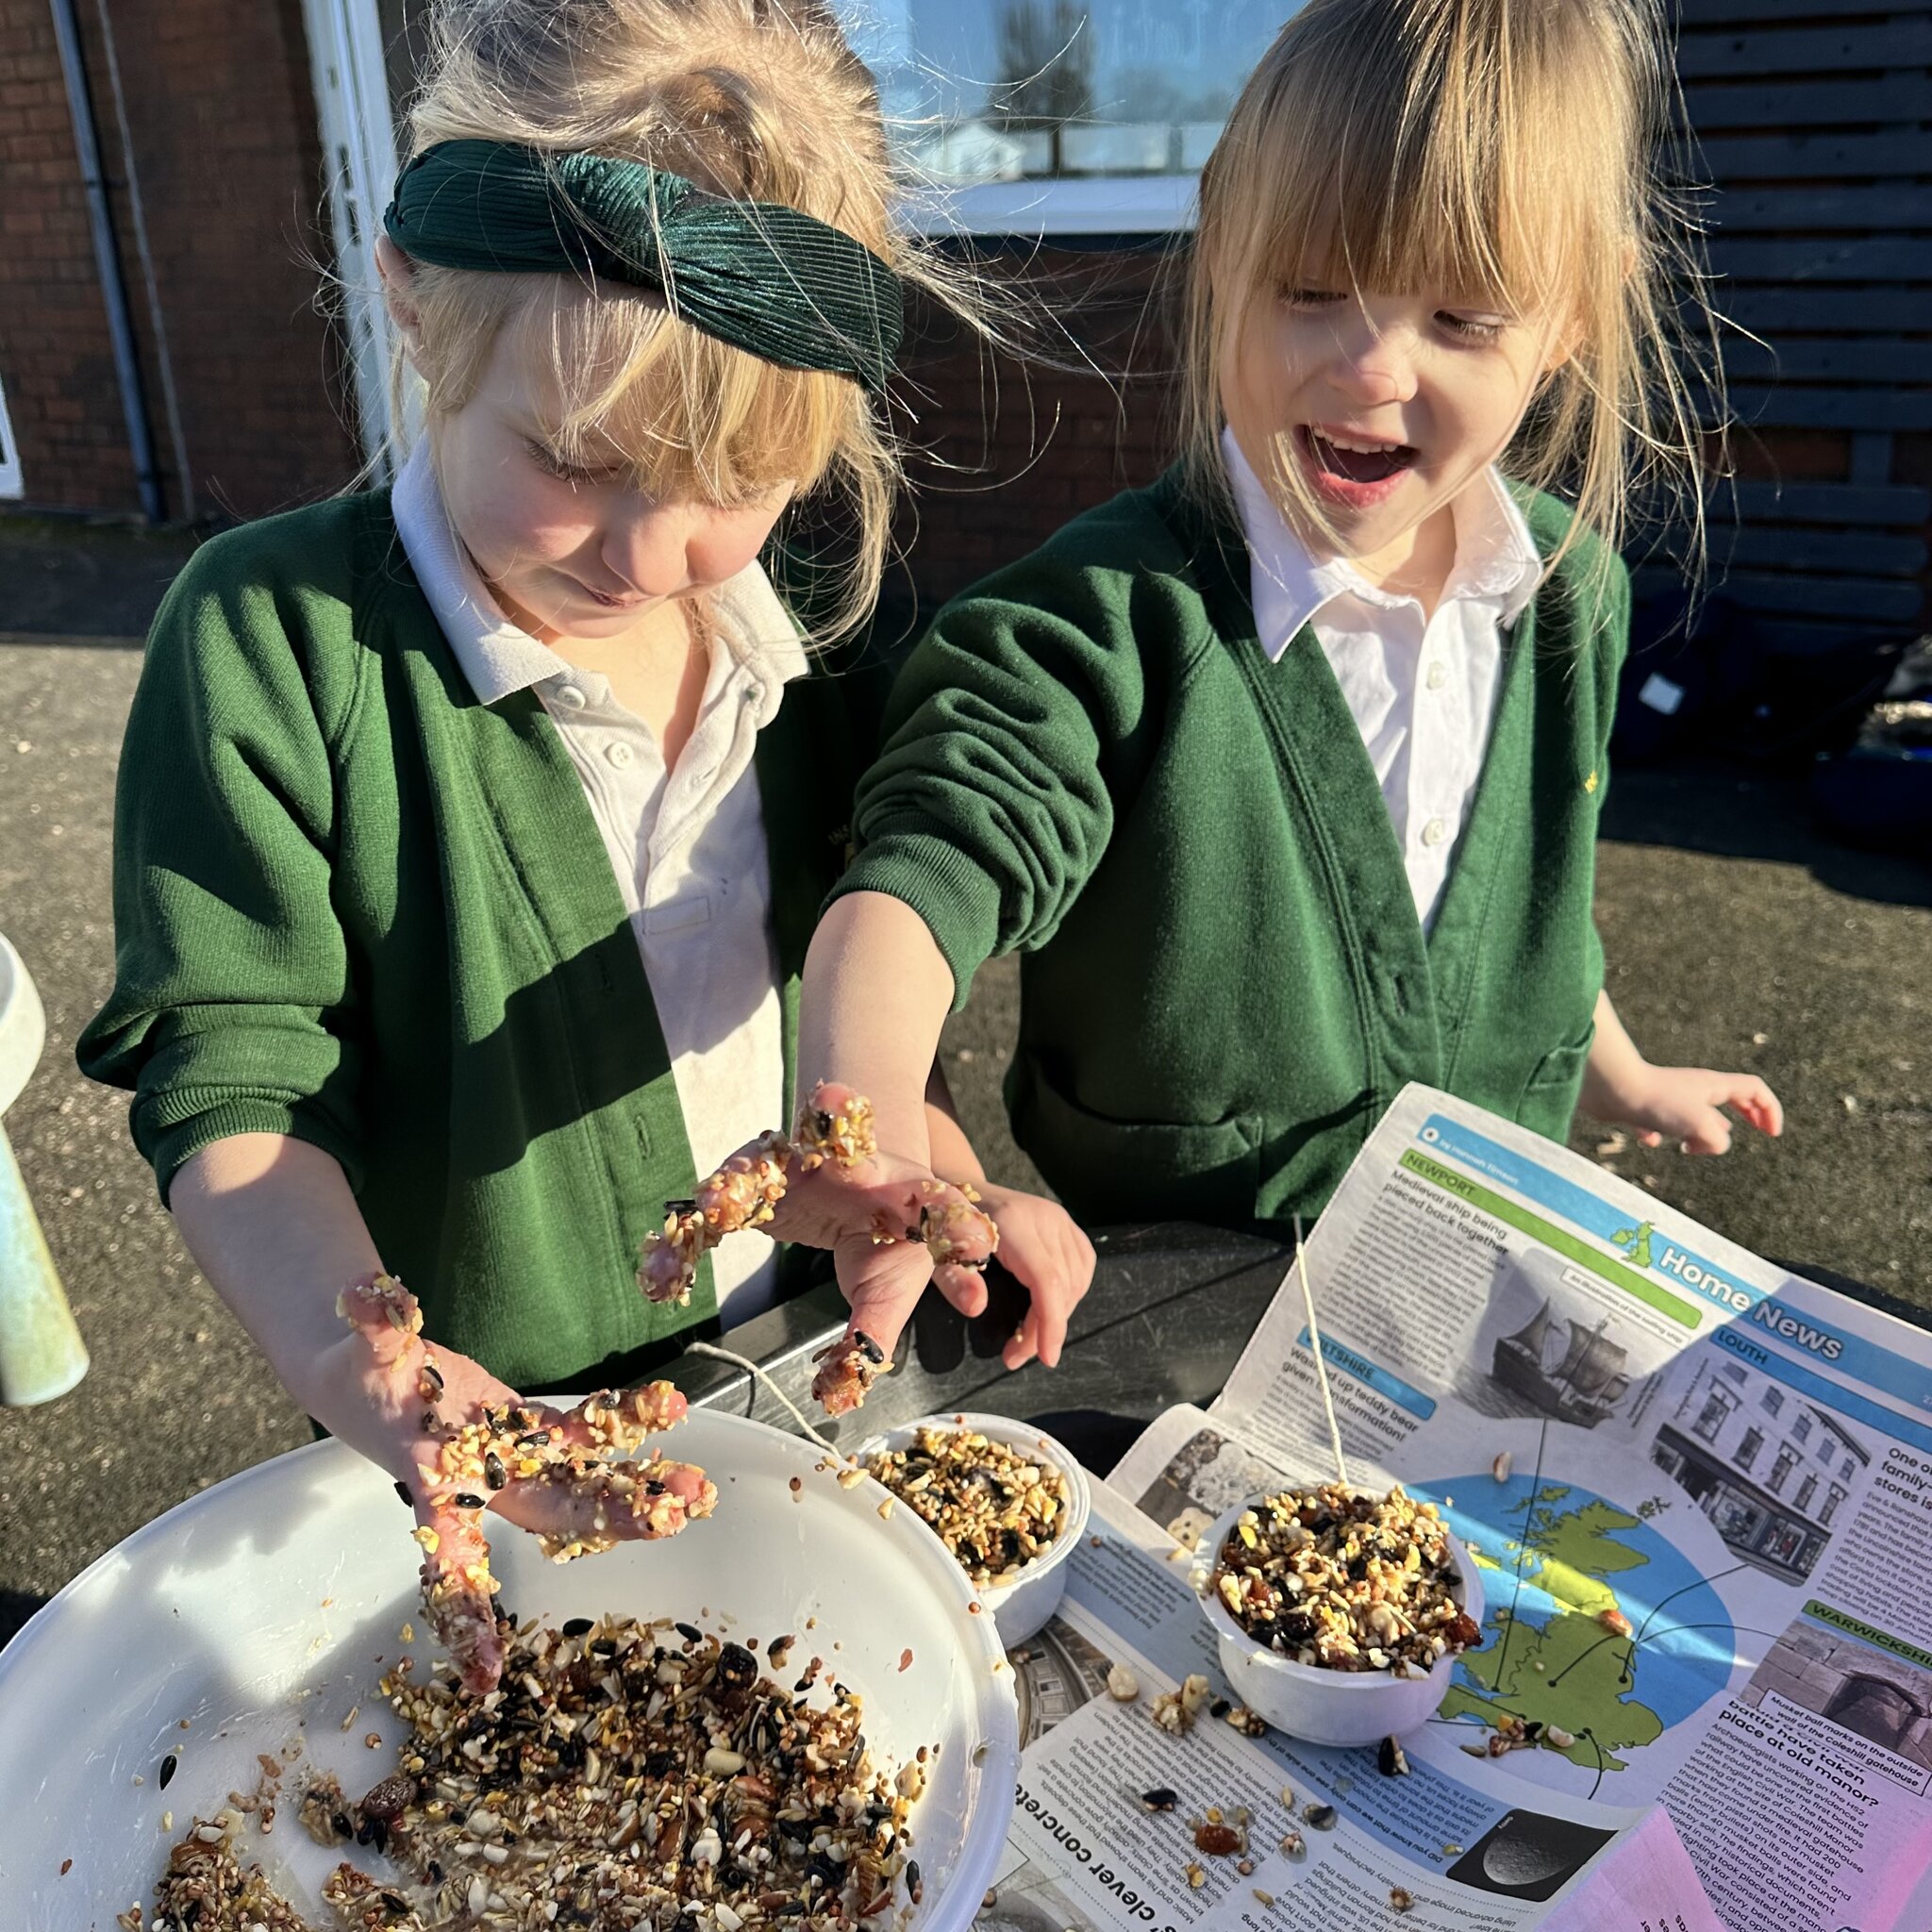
[(1022, 1607), (258, 1612), (1323, 1706)]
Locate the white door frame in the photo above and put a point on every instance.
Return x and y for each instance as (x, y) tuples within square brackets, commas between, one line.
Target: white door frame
[(11, 481), (359, 146)]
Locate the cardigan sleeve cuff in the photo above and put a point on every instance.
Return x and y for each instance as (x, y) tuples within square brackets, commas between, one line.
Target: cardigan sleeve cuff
[(955, 896), (172, 1128)]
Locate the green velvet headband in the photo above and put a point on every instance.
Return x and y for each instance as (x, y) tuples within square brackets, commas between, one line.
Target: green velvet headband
[(757, 274)]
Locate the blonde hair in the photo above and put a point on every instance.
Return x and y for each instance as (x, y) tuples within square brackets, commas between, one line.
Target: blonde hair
[(760, 100), (1503, 150)]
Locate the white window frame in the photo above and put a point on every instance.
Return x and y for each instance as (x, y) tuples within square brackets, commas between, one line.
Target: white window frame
[(12, 482), (358, 147), (1049, 206)]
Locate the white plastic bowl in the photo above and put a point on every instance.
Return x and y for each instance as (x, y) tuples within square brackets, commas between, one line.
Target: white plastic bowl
[(1325, 1707), (1022, 1607), (257, 1612)]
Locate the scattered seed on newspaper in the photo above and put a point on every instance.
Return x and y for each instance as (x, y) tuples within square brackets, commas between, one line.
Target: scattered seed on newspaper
[(1245, 1867), (1217, 1840), (1160, 1799), (1391, 1760), (1322, 1817), (1615, 1622), (1292, 1845), (1452, 1851), (1558, 1737), (1288, 1796), (1500, 1468), (1267, 1898), (1196, 1876), (1400, 1898), (1121, 1684)]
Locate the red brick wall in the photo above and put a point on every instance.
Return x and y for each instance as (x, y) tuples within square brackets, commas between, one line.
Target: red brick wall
[(56, 360), (1006, 451), (222, 114)]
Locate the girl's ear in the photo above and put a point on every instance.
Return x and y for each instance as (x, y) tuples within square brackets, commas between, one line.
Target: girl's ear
[(398, 277)]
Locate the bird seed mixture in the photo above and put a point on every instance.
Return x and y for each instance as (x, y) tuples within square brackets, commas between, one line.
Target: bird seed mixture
[(621, 1776), (994, 1507), (1344, 1580)]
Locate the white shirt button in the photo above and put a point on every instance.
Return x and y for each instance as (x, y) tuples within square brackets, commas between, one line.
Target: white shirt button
[(1435, 832), (1439, 674), (572, 695), (619, 754)]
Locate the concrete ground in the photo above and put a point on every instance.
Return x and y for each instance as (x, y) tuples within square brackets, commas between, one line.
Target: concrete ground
[(1737, 937)]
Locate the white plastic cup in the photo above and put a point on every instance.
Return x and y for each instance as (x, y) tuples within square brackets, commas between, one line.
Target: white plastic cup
[(41, 1355), (1316, 1705), (1022, 1607)]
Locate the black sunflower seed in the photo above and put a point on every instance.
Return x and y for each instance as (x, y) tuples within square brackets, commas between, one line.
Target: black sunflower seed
[(577, 1626), (169, 1764), (689, 1632), (493, 1471), (1160, 1799)]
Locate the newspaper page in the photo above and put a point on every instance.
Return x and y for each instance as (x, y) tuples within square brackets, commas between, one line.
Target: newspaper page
[(1328, 1840), (1629, 1421)]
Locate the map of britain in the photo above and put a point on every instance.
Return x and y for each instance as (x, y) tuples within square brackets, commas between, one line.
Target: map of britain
[(1554, 1560)]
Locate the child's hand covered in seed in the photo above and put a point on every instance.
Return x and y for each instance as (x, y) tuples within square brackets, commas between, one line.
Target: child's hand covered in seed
[(892, 1223), (1044, 1249), (460, 1442)]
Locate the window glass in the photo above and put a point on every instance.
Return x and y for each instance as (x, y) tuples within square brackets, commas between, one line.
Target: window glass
[(1028, 89), (1717, 1406)]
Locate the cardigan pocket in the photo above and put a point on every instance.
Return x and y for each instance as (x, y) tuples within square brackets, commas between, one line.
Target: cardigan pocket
[(1110, 1170), (1549, 1096)]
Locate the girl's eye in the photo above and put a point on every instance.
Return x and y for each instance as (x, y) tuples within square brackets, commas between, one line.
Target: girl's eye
[(1310, 298), (550, 462), (1471, 328)]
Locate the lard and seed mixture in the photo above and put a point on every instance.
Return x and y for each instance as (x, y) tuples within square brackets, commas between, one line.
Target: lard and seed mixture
[(992, 1507), (1344, 1580), (621, 1776)]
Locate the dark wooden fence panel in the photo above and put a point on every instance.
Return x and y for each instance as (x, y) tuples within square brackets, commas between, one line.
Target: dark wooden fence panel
[(1811, 126)]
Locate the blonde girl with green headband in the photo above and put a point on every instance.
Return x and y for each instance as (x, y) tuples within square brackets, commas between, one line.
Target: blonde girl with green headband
[(470, 834), (1282, 775)]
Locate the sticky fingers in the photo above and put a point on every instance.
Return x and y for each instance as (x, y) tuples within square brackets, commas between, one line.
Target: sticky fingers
[(583, 1495)]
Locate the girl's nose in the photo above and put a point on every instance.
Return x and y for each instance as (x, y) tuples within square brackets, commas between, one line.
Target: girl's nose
[(646, 549), (1373, 366)]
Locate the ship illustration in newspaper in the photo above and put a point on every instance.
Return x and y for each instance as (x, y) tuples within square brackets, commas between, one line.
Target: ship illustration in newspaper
[(1579, 1378)]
